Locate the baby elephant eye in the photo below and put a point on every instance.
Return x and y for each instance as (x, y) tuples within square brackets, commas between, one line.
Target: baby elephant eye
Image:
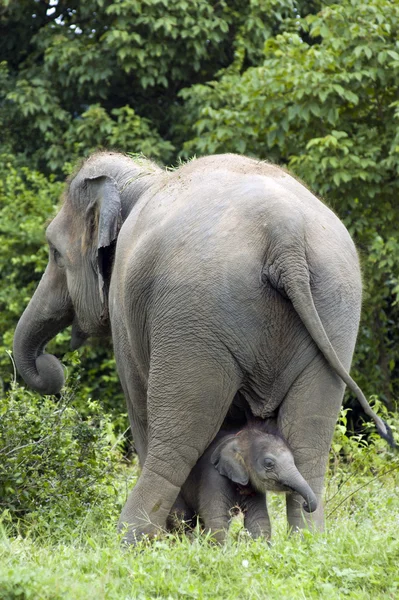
[(268, 463)]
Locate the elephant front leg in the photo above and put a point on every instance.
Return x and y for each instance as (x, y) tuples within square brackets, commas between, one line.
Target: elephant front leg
[(217, 498), (256, 520), (134, 389), (188, 398), (307, 419)]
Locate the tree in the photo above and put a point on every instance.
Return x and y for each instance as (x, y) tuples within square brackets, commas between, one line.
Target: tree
[(78, 75)]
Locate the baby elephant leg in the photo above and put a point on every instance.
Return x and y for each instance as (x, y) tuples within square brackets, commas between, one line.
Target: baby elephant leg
[(216, 521), (257, 521), (218, 526), (216, 500)]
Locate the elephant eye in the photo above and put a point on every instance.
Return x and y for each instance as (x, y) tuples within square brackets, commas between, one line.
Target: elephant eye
[(268, 464), (57, 257)]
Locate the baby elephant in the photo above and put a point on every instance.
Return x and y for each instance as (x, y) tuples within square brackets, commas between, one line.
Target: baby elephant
[(238, 469)]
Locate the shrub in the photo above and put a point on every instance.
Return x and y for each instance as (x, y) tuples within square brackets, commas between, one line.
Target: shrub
[(55, 465), (365, 451)]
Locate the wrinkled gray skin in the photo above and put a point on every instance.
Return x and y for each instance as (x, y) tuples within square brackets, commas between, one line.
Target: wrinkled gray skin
[(231, 281), (237, 470)]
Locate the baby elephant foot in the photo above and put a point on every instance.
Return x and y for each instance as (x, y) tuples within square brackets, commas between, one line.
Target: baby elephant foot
[(218, 535), (218, 528), (259, 530)]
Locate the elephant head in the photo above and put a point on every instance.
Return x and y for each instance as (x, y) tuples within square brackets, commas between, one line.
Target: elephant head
[(74, 286), (265, 461)]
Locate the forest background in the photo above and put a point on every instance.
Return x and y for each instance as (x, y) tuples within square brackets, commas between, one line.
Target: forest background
[(309, 85)]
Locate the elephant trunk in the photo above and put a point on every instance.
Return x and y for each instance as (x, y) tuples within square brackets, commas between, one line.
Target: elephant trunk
[(48, 313), (298, 484)]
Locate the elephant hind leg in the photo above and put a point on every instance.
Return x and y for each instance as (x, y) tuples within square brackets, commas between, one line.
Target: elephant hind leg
[(307, 419), (188, 397)]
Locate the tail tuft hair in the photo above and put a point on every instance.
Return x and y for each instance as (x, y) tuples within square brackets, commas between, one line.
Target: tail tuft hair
[(387, 435)]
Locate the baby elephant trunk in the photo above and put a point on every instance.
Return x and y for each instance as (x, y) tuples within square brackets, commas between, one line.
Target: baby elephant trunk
[(298, 484)]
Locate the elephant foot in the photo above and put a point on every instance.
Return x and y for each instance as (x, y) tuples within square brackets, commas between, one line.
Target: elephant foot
[(218, 528), (299, 519), (147, 508), (139, 529), (218, 536), (258, 531)]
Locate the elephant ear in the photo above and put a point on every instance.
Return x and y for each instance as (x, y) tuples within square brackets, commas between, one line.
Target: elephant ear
[(104, 212), (229, 462)]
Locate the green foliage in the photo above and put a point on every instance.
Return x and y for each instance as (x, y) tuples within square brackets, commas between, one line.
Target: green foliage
[(324, 102), (27, 200), (55, 466), (366, 452), (78, 75)]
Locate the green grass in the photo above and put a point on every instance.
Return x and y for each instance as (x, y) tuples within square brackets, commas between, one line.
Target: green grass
[(357, 556)]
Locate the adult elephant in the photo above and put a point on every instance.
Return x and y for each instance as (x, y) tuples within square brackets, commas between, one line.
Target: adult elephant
[(223, 279)]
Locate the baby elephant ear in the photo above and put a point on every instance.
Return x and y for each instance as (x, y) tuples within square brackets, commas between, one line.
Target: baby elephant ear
[(105, 206), (229, 462)]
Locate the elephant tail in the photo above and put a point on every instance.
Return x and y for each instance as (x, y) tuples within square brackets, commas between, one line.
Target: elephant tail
[(298, 291)]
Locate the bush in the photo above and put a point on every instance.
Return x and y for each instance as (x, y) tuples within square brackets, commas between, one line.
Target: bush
[(55, 465), (366, 451)]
